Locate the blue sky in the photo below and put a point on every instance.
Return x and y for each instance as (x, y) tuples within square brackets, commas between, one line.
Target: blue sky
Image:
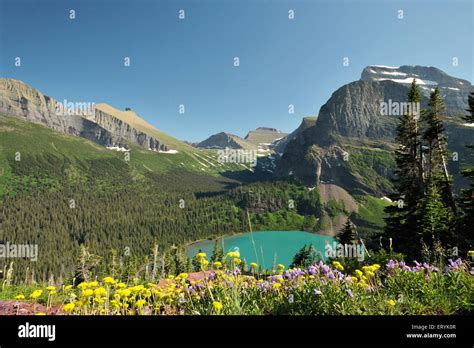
[(190, 61)]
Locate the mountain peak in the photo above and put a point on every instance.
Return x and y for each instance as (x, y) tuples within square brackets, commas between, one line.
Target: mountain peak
[(426, 76)]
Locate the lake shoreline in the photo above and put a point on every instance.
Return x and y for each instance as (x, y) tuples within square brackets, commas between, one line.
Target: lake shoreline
[(265, 245)]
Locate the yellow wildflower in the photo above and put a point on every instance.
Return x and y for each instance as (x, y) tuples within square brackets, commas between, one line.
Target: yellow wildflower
[(217, 305), (281, 267), (67, 287), (217, 264), (338, 265), (40, 313), (200, 255), (237, 261), (100, 292), (109, 280), (253, 265), (35, 294), (140, 303), (20, 297), (68, 307), (82, 286), (391, 303), (51, 288), (93, 284), (276, 286), (359, 273), (87, 293), (183, 275)]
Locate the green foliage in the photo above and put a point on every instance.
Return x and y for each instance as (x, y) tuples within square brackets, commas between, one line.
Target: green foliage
[(347, 235)]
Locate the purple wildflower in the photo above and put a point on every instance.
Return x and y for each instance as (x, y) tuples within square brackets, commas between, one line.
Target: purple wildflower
[(391, 264), (349, 292)]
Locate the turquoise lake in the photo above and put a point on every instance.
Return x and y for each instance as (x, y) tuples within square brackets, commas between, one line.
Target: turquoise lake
[(280, 244)]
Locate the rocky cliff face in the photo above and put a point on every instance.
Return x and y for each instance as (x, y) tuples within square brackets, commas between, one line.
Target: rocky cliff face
[(352, 128), (20, 100), (224, 140), (264, 136), (124, 131), (280, 145)]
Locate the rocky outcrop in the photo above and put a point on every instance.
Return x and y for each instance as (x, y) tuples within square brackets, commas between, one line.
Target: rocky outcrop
[(224, 140), (123, 130), (264, 136), (353, 116), (280, 144), (20, 100)]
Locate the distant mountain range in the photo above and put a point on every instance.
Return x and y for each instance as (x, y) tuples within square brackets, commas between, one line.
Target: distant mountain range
[(349, 144), (262, 137)]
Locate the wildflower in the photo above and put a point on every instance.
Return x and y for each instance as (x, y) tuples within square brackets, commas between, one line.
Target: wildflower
[(204, 262), (391, 303), (82, 286), (317, 292), (391, 264), (349, 292), (121, 285), (183, 275), (281, 267), (40, 313), (109, 280), (135, 280), (35, 294), (68, 307), (200, 255), (100, 292), (20, 297), (276, 286), (51, 289), (140, 303), (217, 305), (237, 261), (338, 265), (253, 265), (67, 288), (217, 264), (93, 284), (87, 293)]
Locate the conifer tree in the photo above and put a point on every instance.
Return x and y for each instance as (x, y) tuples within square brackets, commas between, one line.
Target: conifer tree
[(465, 233), (434, 217), (401, 220), (347, 235), (436, 144)]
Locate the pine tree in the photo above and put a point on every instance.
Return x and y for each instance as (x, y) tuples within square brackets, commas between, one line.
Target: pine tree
[(434, 217), (347, 235), (465, 233), (401, 220), (304, 257), (436, 143), (217, 252)]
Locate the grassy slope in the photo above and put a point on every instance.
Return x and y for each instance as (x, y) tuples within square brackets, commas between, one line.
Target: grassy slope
[(74, 156)]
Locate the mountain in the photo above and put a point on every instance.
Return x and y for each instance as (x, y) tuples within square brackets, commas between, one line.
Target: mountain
[(224, 140), (352, 141), (279, 145), (103, 124), (109, 130), (264, 136)]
